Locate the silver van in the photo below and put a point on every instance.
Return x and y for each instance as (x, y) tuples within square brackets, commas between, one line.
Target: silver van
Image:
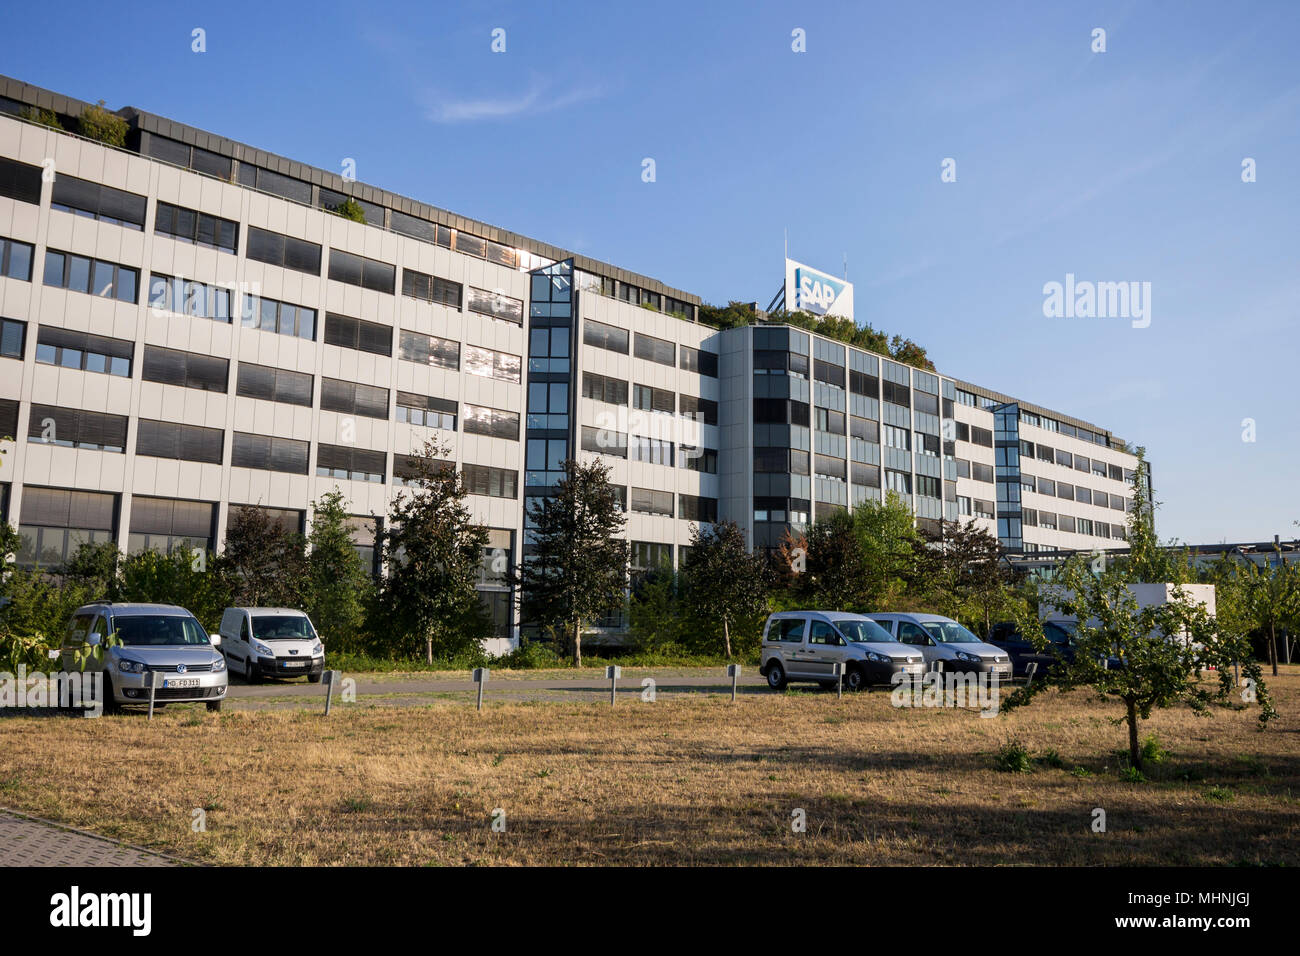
[(129, 643), (942, 639), (806, 645), (271, 642)]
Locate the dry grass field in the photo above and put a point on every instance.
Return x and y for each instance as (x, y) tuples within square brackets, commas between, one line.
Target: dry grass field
[(691, 779)]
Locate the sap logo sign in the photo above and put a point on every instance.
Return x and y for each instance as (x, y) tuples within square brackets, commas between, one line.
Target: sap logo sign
[(817, 292)]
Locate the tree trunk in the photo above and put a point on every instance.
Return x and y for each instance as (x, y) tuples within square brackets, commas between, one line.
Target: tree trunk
[(726, 637), (428, 648), (1134, 751), (577, 643), (1272, 646)]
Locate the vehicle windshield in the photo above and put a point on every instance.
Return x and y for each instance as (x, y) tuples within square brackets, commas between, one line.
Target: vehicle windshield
[(950, 632), (282, 627), (865, 632), (1059, 632), (159, 630)]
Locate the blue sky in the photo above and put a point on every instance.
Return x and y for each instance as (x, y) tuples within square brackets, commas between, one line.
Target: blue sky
[(1115, 166)]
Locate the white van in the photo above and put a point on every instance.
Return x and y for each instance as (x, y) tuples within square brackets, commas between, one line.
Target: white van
[(271, 642)]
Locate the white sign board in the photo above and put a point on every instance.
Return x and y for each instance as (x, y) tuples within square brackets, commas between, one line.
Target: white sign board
[(811, 290)]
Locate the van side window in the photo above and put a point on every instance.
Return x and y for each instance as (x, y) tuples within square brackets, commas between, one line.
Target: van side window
[(79, 629), (243, 627), (791, 630), (822, 633), (909, 633)]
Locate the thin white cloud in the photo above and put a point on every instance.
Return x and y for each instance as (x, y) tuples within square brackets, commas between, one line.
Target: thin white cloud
[(538, 98)]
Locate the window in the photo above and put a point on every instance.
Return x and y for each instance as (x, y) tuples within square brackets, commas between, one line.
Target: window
[(162, 524), (186, 369), (864, 429), (496, 305), (95, 276), (790, 630), (780, 362), (983, 509), (981, 436), (548, 405), (1046, 454), (1082, 464), (351, 464), (653, 399), (981, 472), (271, 182), (824, 466), (492, 422), (600, 388), (925, 402), (651, 502), (289, 519), (781, 461), (895, 437), (415, 409), (20, 181), (1099, 468), (927, 486), (270, 315), (963, 468), (1064, 458), (653, 450), (1047, 487), (898, 394), (1117, 503), (829, 421), (367, 273), (828, 373), (186, 297), (77, 428), (1029, 517), (98, 202), (548, 350), (702, 410), (963, 505), (200, 228), (779, 411), (898, 481), (605, 336), (330, 201), (180, 442), (274, 384), (1047, 520), (1085, 526), (420, 228), (428, 350), (284, 251), (695, 508), (704, 460), (432, 289), (81, 350), (655, 350), (16, 259), (492, 482), (604, 441), (697, 360), (1064, 491), (13, 338), (55, 521), (1066, 523), (8, 429), (490, 364), (868, 476), (966, 398), (1027, 482), (927, 444), (269, 453), (349, 333), (353, 398), (1082, 495)]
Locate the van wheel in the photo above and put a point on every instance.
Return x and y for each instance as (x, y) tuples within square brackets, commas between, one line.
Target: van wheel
[(855, 679), (110, 703), (776, 676), (250, 671), (214, 706), (313, 678)]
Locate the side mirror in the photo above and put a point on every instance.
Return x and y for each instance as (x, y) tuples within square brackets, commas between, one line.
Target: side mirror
[(216, 639), (95, 639)]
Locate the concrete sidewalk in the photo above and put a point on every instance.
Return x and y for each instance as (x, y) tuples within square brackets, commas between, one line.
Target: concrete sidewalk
[(28, 841)]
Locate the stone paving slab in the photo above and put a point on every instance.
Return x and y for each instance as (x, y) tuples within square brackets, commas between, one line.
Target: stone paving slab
[(25, 841)]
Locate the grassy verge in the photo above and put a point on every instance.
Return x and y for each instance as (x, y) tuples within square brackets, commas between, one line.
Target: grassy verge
[(691, 779)]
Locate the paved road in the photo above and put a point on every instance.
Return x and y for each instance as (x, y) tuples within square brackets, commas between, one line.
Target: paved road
[(512, 688), (26, 841)]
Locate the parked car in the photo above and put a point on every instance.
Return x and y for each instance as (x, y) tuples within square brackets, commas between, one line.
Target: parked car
[(943, 639), (805, 645), (271, 642), (129, 643), (1062, 647)]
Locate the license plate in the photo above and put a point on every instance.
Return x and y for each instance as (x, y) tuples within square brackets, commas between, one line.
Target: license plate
[(295, 663), (181, 682)]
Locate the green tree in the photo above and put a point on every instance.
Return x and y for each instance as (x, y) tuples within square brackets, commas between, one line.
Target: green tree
[(723, 581), (99, 124), (1272, 600), (43, 117), (179, 577), (887, 532), (96, 568), (265, 562), (338, 586), (963, 572), (350, 209), (577, 572), (433, 550), (657, 619), (837, 575)]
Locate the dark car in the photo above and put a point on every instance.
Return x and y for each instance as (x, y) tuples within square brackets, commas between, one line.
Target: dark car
[(1061, 646)]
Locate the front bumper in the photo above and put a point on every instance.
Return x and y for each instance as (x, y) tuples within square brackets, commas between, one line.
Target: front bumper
[(1002, 670), (289, 666), (134, 688), (882, 673)]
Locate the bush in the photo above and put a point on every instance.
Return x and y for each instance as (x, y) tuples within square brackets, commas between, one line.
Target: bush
[(43, 117), (1013, 757), (98, 123), (528, 655), (350, 209)]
